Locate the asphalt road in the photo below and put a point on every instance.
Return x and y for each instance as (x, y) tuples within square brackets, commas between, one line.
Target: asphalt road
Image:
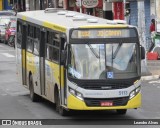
[(16, 104)]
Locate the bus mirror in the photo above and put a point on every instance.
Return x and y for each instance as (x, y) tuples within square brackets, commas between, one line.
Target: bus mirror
[(142, 52), (63, 57)]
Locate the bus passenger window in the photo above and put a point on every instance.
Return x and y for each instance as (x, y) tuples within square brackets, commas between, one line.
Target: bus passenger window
[(47, 52), (29, 46), (50, 53), (49, 37), (19, 34), (30, 31), (36, 47), (55, 54), (19, 27)]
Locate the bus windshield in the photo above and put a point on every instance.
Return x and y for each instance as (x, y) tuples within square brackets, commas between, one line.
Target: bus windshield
[(103, 61)]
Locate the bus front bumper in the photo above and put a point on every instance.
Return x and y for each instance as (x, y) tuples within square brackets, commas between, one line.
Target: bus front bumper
[(77, 104)]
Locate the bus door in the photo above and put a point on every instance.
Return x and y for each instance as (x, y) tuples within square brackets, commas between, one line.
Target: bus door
[(24, 72), (62, 69), (42, 62)]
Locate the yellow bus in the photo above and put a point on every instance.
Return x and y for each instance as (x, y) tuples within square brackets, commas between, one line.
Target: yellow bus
[(79, 62)]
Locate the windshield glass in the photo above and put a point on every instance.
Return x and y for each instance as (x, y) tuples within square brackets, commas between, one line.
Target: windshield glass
[(103, 61), (13, 25), (4, 21)]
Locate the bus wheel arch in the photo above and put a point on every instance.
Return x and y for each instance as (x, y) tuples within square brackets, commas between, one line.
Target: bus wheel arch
[(56, 96), (57, 100), (34, 97)]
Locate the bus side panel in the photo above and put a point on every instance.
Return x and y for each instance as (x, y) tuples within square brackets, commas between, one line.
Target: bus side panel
[(33, 68), (63, 85), (52, 78), (23, 66)]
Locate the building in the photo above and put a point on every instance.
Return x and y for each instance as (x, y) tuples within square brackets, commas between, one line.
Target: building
[(109, 9), (42, 4), (6, 4)]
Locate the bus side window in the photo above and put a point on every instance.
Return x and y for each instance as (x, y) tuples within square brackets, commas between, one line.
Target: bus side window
[(30, 42), (30, 31), (47, 52), (52, 46), (19, 34), (55, 54), (36, 47), (36, 40), (29, 46), (56, 46)]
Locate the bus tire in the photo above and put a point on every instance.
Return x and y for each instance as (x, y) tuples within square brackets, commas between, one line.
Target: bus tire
[(34, 97), (59, 108), (121, 111)]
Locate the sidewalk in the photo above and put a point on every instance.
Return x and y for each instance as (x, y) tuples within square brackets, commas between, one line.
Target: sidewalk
[(153, 70)]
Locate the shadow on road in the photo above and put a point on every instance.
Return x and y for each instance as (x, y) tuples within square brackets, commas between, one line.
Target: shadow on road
[(95, 115)]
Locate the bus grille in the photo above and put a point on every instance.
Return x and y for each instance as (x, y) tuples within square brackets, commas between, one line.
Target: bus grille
[(105, 86), (90, 102)]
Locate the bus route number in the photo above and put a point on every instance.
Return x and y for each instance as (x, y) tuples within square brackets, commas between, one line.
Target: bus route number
[(123, 93), (109, 33), (85, 33)]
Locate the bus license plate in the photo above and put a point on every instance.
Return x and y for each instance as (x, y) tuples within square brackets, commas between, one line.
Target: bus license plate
[(107, 103)]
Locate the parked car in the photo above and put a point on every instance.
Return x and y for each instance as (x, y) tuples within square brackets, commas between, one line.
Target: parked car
[(10, 30)]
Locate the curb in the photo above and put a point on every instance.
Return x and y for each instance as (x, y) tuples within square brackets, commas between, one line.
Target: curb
[(153, 77)]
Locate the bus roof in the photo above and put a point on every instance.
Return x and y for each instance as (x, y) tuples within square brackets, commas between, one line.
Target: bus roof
[(63, 19)]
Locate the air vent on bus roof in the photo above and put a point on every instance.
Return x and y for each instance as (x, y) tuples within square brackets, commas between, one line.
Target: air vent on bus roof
[(92, 20), (120, 21), (79, 18), (61, 12), (70, 14), (111, 22), (51, 10)]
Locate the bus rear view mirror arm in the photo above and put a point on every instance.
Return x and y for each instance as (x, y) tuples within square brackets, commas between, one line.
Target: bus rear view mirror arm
[(63, 57), (142, 52)]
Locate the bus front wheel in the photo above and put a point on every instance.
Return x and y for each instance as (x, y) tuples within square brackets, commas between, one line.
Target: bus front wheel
[(121, 111), (59, 108), (34, 97)]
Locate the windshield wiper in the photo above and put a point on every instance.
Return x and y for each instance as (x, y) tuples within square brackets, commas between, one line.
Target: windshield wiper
[(115, 53), (93, 51)]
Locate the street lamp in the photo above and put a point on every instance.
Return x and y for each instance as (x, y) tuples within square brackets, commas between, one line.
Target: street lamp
[(124, 9), (79, 4)]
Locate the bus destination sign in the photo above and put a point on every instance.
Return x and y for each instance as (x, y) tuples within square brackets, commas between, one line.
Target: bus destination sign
[(103, 33)]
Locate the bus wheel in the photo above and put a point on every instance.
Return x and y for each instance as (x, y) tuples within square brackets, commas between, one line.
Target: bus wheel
[(59, 108), (34, 97), (121, 111)]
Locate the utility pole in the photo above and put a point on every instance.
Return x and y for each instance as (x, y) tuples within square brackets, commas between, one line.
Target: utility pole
[(142, 31), (80, 3), (124, 9), (104, 8), (27, 5), (107, 10)]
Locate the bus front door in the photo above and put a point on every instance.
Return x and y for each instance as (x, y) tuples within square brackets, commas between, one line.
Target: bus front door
[(24, 72), (63, 71), (42, 63)]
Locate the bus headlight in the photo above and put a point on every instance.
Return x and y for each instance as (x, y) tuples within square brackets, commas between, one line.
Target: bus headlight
[(134, 92), (76, 93), (72, 91)]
